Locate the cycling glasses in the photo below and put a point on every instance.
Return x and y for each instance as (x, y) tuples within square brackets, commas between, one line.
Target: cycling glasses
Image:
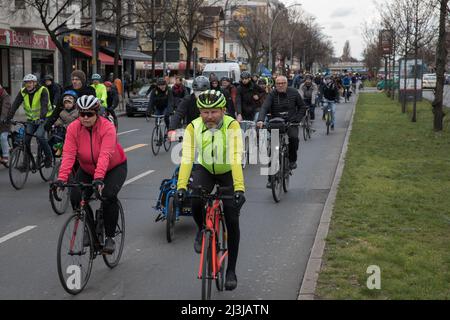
[(88, 114)]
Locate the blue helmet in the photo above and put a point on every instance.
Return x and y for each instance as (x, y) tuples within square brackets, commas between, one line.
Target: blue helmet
[(70, 93)]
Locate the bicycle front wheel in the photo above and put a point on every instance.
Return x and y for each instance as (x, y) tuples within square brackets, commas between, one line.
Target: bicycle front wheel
[(222, 253), (171, 216), (156, 140), (112, 260), (75, 254), (18, 168), (206, 267), (167, 142)]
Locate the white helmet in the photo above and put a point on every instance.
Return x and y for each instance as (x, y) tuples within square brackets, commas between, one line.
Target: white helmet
[(88, 103), (30, 77)]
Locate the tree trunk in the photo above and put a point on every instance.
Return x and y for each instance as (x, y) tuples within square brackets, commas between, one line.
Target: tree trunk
[(187, 72), (118, 43), (441, 61)]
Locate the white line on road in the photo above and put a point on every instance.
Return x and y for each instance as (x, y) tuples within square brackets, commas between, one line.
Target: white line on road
[(125, 132), (138, 177), (135, 147), (16, 233)]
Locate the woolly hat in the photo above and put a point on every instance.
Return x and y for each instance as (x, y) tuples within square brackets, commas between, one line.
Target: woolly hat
[(79, 74)]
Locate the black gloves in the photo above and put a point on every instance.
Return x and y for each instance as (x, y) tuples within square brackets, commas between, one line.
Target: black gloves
[(239, 200), (98, 186), (180, 196), (58, 184)]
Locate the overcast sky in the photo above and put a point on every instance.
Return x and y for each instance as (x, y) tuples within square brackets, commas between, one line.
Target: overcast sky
[(341, 20)]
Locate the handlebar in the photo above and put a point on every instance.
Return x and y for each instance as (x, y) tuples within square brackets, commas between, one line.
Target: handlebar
[(205, 194), (83, 186)]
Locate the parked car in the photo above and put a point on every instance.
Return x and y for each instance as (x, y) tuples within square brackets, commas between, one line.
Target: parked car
[(138, 104), (446, 78), (429, 81)]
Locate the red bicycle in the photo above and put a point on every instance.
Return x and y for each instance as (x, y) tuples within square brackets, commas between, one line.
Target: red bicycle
[(213, 256)]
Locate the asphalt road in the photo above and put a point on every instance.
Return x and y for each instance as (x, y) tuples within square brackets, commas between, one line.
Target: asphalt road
[(276, 239)]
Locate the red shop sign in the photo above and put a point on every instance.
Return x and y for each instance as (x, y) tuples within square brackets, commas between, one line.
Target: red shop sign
[(25, 40)]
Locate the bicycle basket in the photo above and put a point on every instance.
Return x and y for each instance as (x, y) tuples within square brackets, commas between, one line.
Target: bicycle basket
[(277, 124)]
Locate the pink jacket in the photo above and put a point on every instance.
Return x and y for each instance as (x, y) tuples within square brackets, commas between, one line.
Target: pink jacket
[(96, 150)]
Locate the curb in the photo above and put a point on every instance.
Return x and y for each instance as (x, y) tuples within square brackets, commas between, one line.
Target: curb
[(309, 283)]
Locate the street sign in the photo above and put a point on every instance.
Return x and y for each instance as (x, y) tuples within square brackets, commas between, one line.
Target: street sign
[(386, 41)]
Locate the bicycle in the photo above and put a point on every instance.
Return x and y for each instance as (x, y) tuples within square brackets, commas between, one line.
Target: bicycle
[(280, 179), (73, 243), (158, 138), (214, 253), (19, 168), (245, 126), (328, 115)]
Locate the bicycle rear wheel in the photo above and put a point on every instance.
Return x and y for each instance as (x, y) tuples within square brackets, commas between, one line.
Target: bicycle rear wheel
[(156, 140), (75, 272), (171, 216), (46, 173), (328, 122), (112, 260), (206, 267), (18, 168), (305, 128), (167, 142), (222, 253)]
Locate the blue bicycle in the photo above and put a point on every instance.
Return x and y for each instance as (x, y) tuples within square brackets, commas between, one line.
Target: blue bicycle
[(165, 205)]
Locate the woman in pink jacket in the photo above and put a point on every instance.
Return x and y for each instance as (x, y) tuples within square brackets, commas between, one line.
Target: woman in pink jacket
[(92, 141)]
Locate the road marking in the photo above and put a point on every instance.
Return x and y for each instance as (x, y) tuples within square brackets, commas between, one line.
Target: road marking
[(16, 233), (125, 132), (138, 177), (135, 147)]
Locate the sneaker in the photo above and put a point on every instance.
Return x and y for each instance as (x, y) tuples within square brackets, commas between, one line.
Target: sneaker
[(4, 161), (110, 246), (292, 165), (332, 127), (48, 162), (198, 242), (230, 280)]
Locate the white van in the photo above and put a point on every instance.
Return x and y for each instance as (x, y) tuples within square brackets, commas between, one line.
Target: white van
[(227, 69)]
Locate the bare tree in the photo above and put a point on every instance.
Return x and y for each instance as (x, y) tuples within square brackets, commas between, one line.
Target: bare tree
[(190, 18), (441, 62), (51, 13)]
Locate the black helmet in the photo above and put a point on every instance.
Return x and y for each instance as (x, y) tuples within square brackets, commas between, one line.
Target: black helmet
[(161, 82), (201, 83), (227, 79), (245, 75), (48, 77)]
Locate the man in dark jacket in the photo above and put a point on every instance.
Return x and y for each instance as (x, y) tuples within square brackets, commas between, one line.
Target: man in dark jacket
[(161, 101), (188, 107), (54, 89), (79, 86), (247, 98), (284, 99), (179, 91), (5, 107), (230, 93), (330, 93)]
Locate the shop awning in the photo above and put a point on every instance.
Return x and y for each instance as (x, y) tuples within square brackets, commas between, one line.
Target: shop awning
[(104, 58), (131, 55)]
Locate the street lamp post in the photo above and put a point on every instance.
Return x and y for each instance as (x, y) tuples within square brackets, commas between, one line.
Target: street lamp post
[(225, 31), (94, 37), (271, 30)]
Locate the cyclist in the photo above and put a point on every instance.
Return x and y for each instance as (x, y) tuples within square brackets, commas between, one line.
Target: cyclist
[(79, 86), (346, 83), (214, 83), (214, 129), (100, 89), (247, 98), (285, 99), (308, 90), (230, 93), (66, 117), (92, 141), (188, 107), (255, 78), (5, 106), (161, 101), (330, 92), (36, 101), (54, 89), (179, 91), (354, 82), (112, 100)]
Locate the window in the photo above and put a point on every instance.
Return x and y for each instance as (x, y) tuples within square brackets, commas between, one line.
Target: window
[(19, 4)]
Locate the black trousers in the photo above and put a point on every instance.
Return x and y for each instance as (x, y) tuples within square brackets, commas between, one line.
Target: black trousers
[(114, 181), (294, 143), (202, 177)]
